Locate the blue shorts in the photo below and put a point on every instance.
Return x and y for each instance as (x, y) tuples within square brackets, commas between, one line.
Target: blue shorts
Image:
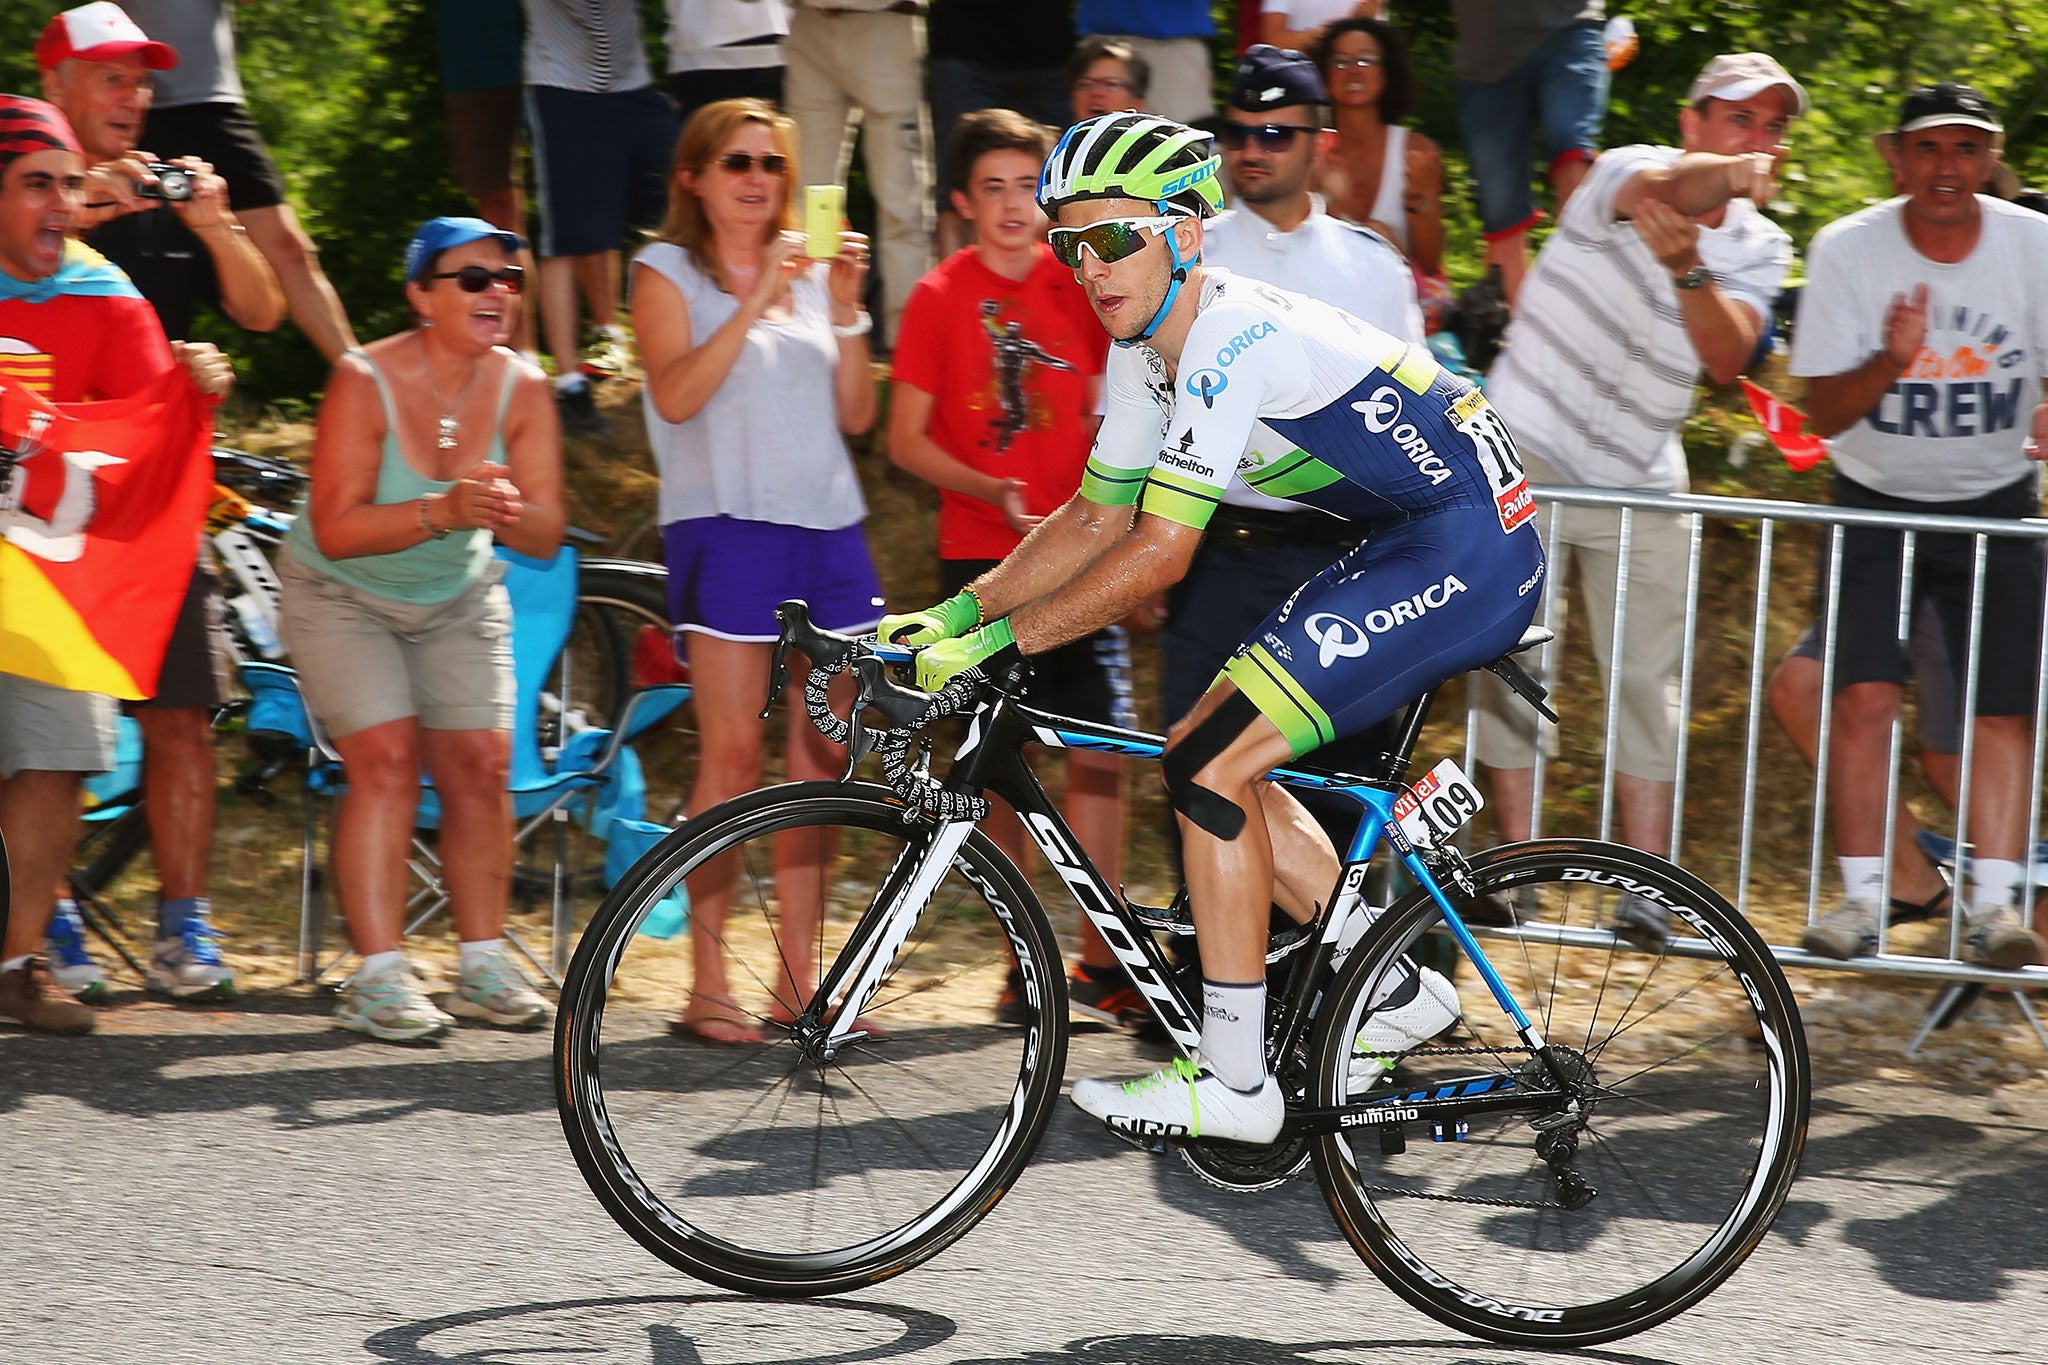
[(726, 577), (1564, 82), (1415, 606), (601, 162)]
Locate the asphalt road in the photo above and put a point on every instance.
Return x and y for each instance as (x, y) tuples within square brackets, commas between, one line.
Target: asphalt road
[(257, 1188)]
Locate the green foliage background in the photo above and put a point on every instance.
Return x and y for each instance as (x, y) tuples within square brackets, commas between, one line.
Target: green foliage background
[(347, 95)]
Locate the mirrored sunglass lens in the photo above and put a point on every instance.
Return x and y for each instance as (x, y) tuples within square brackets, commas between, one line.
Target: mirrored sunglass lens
[(1110, 242)]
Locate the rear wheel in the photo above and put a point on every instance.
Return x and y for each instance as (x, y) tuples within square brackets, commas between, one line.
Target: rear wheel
[(1690, 1076), (808, 1163)]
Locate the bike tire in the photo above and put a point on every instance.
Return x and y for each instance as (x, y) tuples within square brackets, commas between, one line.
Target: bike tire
[(1698, 1090), (767, 1168)]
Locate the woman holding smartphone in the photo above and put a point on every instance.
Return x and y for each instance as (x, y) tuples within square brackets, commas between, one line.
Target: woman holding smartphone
[(757, 369)]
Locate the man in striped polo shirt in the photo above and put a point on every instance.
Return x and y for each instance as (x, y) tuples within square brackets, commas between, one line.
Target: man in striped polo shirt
[(1661, 269)]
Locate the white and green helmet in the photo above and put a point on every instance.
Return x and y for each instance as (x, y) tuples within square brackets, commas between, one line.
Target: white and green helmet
[(1133, 156)]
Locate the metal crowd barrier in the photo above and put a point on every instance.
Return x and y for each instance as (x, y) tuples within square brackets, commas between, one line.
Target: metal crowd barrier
[(1777, 609)]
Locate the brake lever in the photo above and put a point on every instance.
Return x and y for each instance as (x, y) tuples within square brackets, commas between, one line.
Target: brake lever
[(822, 647)]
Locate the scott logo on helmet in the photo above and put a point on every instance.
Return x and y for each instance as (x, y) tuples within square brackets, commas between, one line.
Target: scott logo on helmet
[(1339, 637)]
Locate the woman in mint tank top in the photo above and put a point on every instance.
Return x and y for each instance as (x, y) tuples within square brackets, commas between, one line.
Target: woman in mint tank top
[(432, 444)]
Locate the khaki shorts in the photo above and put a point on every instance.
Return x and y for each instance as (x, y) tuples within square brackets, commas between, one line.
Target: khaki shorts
[(364, 659), (46, 729)]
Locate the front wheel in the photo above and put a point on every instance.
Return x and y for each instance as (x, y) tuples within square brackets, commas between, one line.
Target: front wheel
[(800, 1163), (1690, 1076)]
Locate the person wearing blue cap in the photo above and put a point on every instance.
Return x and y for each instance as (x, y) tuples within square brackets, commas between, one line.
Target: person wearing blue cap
[(432, 444)]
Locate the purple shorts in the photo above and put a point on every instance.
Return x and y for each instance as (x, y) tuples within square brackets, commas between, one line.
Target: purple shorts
[(727, 576)]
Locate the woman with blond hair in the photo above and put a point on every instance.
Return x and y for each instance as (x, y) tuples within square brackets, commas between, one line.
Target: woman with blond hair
[(757, 369)]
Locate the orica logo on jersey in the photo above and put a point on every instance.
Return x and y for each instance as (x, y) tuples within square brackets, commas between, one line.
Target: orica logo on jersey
[(1339, 637), (1382, 414), (1206, 384), (1230, 350), (1380, 411)]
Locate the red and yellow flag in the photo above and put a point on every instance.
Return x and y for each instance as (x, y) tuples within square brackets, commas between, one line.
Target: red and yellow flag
[(100, 510)]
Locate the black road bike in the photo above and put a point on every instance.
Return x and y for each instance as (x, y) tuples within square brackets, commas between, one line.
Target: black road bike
[(1602, 1141)]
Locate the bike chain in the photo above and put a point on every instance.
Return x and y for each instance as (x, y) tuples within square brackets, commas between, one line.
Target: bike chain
[(1456, 1198)]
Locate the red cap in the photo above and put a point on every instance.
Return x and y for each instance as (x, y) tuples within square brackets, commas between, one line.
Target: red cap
[(100, 32)]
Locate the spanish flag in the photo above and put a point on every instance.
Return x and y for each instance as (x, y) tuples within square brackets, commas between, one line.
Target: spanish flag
[(100, 512)]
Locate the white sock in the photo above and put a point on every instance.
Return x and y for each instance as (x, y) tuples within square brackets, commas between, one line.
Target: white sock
[(374, 963), (610, 331), (15, 964), (475, 955), (1994, 884), (570, 382), (1862, 879), (1234, 1032)]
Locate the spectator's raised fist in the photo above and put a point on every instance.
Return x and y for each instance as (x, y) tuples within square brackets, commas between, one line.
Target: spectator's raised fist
[(1753, 176)]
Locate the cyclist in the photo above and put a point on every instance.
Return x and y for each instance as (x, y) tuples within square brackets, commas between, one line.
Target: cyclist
[(1215, 378)]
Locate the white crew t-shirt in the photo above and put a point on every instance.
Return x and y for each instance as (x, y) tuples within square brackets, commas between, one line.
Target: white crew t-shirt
[(1598, 372), (1955, 424)]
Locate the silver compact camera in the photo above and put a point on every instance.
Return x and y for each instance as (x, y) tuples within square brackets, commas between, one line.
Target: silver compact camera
[(173, 183)]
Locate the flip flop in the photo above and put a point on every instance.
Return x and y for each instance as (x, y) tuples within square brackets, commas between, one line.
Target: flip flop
[(1905, 911), (717, 1029), (863, 1024)]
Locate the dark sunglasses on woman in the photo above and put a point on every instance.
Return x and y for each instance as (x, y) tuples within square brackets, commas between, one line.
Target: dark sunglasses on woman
[(739, 163), (474, 279), (1271, 137)]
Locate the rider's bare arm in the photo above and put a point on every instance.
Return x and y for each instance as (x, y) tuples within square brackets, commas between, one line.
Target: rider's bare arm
[(1060, 547), (1115, 583)]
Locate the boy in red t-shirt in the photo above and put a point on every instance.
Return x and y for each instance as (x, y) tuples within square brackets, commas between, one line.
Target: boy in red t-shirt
[(998, 364)]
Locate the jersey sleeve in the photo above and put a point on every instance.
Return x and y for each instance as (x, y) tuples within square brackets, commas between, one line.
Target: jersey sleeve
[(1129, 435), (1829, 338), (1237, 362)]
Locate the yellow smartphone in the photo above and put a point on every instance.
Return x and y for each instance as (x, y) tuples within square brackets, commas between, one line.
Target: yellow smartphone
[(824, 210)]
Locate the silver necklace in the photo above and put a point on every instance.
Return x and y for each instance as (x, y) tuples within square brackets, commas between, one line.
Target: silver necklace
[(450, 428)]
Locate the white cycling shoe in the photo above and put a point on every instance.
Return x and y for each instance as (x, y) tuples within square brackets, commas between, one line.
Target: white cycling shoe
[(1393, 1031), (1182, 1101)]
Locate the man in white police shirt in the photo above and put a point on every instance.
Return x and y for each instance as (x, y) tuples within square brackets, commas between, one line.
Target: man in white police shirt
[(1923, 330), (1259, 549)]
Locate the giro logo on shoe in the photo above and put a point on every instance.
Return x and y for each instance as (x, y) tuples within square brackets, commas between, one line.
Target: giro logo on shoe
[(1339, 637), (1150, 1128), (1206, 384), (1380, 411), (1242, 342)]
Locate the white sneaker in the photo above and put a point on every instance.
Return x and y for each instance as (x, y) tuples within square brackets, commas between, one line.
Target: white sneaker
[(497, 994), (391, 1005), (189, 967), (1997, 938), (1393, 1031), (1185, 1100)]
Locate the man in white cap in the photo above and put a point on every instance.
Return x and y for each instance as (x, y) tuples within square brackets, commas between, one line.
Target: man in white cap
[(1661, 269), (1923, 332)]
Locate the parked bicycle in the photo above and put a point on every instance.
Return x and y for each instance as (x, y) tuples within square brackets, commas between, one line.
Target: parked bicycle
[(1597, 1148)]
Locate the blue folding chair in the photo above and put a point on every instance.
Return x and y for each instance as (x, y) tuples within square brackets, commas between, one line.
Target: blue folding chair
[(593, 779)]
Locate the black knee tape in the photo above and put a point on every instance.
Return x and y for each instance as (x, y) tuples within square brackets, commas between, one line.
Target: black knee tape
[(1219, 815)]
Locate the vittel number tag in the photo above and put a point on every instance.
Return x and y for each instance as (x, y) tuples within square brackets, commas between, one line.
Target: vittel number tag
[(1438, 804)]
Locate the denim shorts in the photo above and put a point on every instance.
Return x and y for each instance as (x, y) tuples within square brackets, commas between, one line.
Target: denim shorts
[(1564, 83)]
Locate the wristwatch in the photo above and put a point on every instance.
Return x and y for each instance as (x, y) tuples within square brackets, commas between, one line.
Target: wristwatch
[(1695, 278)]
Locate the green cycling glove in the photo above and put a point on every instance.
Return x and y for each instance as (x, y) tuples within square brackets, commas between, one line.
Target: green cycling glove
[(948, 620), (939, 664)]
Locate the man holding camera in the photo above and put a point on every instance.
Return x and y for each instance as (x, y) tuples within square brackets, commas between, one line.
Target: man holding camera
[(169, 228)]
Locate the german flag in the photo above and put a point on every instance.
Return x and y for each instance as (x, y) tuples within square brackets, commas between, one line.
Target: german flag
[(100, 512)]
